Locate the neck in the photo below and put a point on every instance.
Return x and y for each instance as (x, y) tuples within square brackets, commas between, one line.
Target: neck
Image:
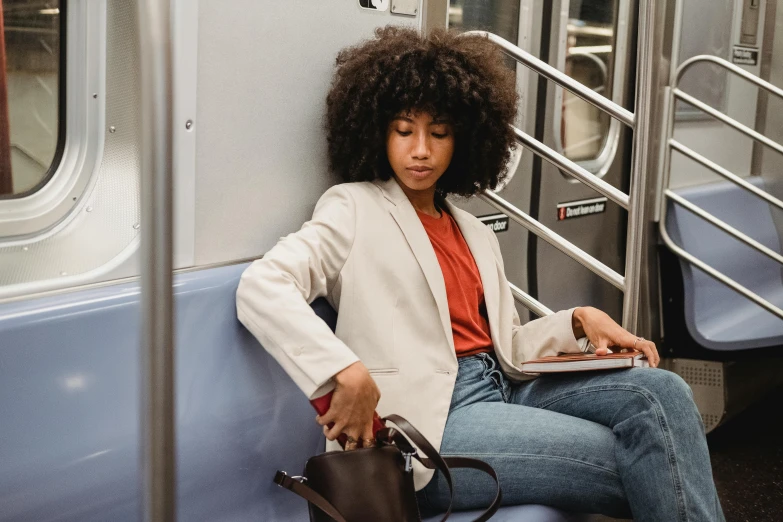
[(422, 200)]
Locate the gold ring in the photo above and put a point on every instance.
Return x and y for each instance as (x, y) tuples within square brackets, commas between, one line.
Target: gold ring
[(368, 443), (636, 341), (351, 440)]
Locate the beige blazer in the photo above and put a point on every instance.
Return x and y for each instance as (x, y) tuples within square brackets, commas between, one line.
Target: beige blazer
[(366, 251)]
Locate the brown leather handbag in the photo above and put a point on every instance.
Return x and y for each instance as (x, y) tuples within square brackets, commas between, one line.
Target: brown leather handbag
[(376, 483)]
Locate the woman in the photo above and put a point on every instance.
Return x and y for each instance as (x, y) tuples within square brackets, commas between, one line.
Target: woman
[(427, 326)]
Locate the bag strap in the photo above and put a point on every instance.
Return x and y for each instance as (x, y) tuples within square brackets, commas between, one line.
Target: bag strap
[(435, 461), (283, 480)]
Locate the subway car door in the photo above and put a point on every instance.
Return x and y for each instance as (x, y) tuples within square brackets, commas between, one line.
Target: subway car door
[(592, 41)]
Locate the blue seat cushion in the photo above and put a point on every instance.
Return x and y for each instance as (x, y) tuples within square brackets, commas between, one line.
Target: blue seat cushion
[(717, 317)]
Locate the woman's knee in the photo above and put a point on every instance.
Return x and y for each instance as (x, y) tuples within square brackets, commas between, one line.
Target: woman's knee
[(663, 385)]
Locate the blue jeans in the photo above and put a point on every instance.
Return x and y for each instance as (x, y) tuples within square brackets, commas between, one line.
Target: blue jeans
[(622, 443)]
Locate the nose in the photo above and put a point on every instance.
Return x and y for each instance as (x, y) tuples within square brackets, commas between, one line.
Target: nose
[(421, 146)]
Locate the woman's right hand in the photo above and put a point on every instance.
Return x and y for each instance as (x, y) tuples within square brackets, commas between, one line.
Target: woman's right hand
[(353, 404)]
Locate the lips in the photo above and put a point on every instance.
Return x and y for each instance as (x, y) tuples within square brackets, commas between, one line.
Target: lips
[(419, 171)]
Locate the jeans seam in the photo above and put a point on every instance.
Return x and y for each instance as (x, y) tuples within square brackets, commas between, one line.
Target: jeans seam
[(673, 467), (531, 455)]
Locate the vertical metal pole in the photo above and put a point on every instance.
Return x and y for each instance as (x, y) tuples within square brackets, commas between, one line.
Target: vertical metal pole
[(157, 360), (640, 163), (6, 178)]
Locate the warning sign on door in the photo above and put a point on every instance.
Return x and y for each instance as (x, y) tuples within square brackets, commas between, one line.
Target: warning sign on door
[(745, 56), (585, 207), (496, 222)]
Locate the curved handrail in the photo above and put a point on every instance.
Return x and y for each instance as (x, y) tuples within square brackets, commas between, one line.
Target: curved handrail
[(560, 78), (671, 144), (687, 64)]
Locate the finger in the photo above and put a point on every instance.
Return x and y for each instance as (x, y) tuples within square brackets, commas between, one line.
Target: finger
[(602, 351), (368, 437), (326, 418), (644, 347), (652, 353), (354, 440), (334, 431)]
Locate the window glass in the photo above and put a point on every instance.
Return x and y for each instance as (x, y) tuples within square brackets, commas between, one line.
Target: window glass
[(500, 17), (29, 93), (589, 59), (704, 81)]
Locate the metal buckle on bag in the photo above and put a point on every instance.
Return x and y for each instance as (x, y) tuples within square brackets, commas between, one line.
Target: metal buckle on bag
[(408, 460), (280, 477)]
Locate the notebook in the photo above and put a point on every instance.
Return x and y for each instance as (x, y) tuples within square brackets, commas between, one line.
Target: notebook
[(580, 362)]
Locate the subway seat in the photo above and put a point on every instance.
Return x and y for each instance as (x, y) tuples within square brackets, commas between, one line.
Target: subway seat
[(714, 312), (69, 401)]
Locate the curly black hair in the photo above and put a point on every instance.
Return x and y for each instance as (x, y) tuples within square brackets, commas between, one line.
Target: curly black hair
[(461, 78)]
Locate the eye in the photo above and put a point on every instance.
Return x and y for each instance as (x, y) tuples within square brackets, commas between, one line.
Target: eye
[(403, 133), (440, 136)]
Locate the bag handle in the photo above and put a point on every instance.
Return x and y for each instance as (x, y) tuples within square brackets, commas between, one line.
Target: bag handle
[(435, 461), (283, 480)]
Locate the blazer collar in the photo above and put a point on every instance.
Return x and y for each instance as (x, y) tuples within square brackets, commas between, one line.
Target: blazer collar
[(476, 238)]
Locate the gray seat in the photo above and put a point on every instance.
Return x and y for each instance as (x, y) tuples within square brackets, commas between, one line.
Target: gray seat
[(517, 514), (717, 317), (69, 378)]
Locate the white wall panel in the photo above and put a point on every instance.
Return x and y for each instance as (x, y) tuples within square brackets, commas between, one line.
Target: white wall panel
[(263, 73)]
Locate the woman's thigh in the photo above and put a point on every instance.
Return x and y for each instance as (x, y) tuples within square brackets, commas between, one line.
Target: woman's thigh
[(607, 397), (541, 457)]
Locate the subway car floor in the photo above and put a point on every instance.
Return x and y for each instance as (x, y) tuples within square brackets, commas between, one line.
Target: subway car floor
[(747, 462)]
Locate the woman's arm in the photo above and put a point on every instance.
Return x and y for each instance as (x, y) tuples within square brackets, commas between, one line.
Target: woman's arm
[(274, 294)]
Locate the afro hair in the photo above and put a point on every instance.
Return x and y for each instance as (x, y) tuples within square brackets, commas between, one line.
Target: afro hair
[(460, 78)]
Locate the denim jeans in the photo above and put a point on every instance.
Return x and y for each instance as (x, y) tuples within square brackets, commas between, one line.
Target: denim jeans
[(621, 443)]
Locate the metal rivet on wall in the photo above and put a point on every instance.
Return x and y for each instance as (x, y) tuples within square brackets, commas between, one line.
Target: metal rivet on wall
[(136, 226), (95, 95), (112, 129), (88, 209), (189, 124)]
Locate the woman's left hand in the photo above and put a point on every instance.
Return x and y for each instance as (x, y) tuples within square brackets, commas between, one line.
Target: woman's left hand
[(604, 333)]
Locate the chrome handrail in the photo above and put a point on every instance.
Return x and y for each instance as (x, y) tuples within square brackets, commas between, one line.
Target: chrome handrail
[(157, 407), (572, 168), (529, 301), (560, 78), (556, 240), (670, 144), (632, 202)]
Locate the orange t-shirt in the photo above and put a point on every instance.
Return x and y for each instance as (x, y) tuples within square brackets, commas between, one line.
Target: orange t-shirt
[(464, 290)]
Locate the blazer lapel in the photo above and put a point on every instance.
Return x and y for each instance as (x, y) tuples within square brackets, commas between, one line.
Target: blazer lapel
[(476, 237), (405, 215)]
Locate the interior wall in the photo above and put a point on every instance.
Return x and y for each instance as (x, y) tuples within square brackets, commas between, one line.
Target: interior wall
[(263, 73)]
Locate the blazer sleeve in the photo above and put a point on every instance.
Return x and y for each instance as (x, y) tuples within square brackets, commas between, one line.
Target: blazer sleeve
[(274, 294), (541, 337)]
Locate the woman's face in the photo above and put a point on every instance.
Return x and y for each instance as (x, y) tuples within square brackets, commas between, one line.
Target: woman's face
[(419, 149)]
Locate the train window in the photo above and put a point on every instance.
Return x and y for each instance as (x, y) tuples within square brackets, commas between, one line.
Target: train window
[(31, 134), (500, 17), (590, 51), (705, 82)]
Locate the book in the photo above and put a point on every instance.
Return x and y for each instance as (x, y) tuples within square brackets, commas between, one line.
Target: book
[(321, 405), (580, 362)]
